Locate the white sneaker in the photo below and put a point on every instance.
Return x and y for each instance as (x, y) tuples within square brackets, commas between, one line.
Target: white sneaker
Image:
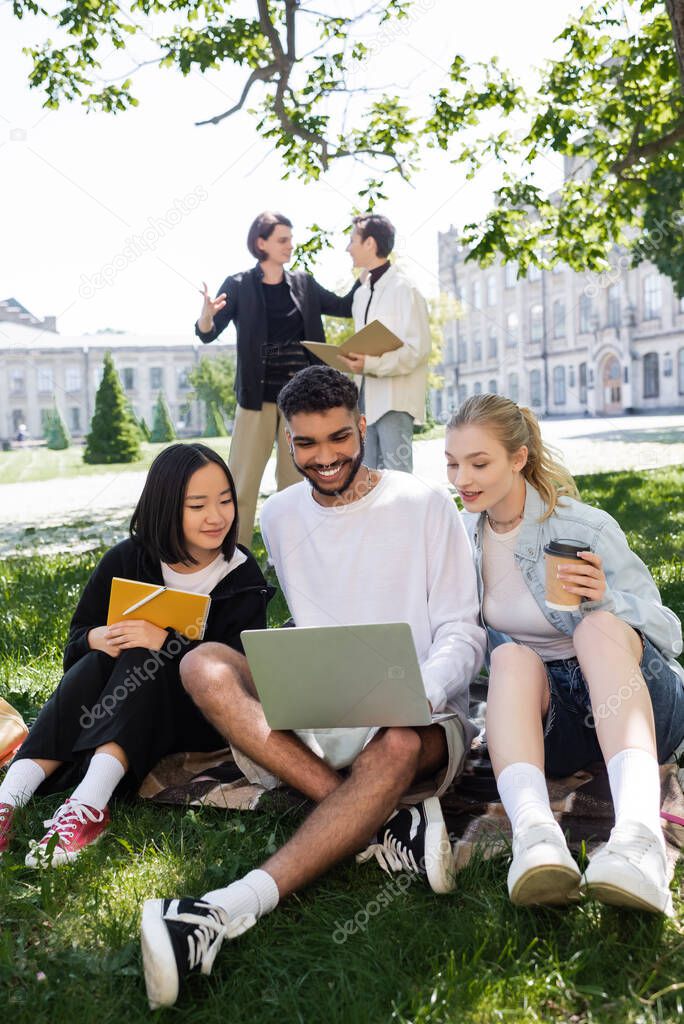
[(630, 870), (542, 870)]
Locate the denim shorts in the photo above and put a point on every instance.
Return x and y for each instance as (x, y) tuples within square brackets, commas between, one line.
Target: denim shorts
[(570, 740)]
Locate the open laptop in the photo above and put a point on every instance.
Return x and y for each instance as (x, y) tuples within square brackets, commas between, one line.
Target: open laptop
[(338, 677)]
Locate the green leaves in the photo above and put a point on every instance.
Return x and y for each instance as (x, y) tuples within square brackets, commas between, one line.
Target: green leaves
[(611, 105)]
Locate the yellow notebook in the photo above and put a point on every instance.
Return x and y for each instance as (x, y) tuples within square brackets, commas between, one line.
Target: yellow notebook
[(163, 606)]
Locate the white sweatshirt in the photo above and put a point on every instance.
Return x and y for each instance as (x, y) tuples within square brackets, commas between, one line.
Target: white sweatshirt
[(399, 554), (397, 380)]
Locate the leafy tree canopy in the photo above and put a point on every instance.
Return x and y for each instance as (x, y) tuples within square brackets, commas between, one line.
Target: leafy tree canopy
[(612, 104), (213, 381)]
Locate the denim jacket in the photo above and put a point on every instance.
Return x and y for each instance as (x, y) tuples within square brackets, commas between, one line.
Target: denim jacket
[(630, 594)]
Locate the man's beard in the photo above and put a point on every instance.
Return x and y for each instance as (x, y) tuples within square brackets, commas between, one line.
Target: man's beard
[(346, 483)]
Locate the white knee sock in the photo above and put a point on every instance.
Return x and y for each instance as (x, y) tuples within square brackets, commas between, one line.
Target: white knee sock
[(103, 776), (256, 894), (635, 787), (20, 783), (523, 793)]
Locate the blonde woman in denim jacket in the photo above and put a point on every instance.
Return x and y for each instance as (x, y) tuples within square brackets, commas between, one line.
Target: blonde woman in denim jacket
[(566, 687)]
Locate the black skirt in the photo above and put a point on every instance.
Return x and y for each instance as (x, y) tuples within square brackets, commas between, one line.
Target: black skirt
[(136, 700)]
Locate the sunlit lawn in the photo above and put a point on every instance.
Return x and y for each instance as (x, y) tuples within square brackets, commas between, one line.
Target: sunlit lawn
[(68, 941)]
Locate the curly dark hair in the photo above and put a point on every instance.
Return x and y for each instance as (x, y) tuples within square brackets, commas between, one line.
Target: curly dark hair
[(317, 389)]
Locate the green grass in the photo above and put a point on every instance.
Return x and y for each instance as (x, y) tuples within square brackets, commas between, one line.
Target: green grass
[(23, 465), (422, 959)]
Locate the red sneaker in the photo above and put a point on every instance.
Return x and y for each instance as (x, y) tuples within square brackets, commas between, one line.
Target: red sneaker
[(76, 826), (6, 815)]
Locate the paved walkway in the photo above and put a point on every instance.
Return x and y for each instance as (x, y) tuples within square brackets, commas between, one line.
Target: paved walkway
[(587, 445)]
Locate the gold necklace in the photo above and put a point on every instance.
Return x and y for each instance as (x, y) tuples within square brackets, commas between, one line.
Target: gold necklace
[(505, 522)]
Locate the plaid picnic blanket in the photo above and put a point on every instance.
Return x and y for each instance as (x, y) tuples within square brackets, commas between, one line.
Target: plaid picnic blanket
[(473, 812)]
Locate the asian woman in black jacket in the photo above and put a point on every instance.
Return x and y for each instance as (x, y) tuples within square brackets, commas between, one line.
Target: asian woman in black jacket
[(120, 705)]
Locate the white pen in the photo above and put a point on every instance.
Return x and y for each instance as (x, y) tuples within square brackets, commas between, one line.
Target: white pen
[(139, 604)]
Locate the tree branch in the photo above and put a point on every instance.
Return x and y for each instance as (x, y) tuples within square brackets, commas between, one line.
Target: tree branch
[(259, 74), (675, 10), (650, 149)]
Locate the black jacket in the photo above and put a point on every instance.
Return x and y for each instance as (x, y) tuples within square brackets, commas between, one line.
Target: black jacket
[(245, 305), (238, 601)]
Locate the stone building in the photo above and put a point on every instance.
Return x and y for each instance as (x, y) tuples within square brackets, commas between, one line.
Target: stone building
[(40, 368), (562, 342)]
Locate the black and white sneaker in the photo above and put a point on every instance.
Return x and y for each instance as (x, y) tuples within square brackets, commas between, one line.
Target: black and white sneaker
[(415, 839), (179, 938)]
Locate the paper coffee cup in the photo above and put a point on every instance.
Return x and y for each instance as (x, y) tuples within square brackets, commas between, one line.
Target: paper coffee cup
[(559, 552)]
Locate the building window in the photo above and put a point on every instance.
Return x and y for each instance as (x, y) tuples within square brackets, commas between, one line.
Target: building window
[(571, 377), (680, 370), (681, 304), (18, 421), (652, 297), (559, 385), (535, 388), (462, 393), (491, 290), (72, 379), (493, 345), (46, 384), (182, 378), (585, 312), (17, 381), (511, 274), (651, 375), (462, 351), (583, 382), (156, 378), (557, 268), (513, 387), (477, 388), (128, 378), (613, 306), (491, 386), (477, 346), (512, 330), (75, 419), (477, 295), (534, 272), (559, 319), (536, 322)]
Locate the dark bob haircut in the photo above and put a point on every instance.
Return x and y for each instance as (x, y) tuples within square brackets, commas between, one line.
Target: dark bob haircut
[(263, 226), (373, 225), (157, 522), (317, 389)]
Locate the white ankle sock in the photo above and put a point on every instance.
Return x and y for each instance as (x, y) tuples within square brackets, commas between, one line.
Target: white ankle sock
[(256, 894), (20, 783), (103, 776), (635, 787), (523, 793)]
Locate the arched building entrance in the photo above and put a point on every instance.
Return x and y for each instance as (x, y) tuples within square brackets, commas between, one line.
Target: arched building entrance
[(610, 384)]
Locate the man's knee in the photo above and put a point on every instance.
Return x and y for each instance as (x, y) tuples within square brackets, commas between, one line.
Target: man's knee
[(208, 666), (394, 750)]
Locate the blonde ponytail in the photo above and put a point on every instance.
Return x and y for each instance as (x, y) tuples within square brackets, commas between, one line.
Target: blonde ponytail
[(515, 426)]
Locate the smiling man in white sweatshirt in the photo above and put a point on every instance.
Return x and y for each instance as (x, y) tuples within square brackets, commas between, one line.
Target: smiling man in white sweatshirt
[(350, 545), (393, 385)]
